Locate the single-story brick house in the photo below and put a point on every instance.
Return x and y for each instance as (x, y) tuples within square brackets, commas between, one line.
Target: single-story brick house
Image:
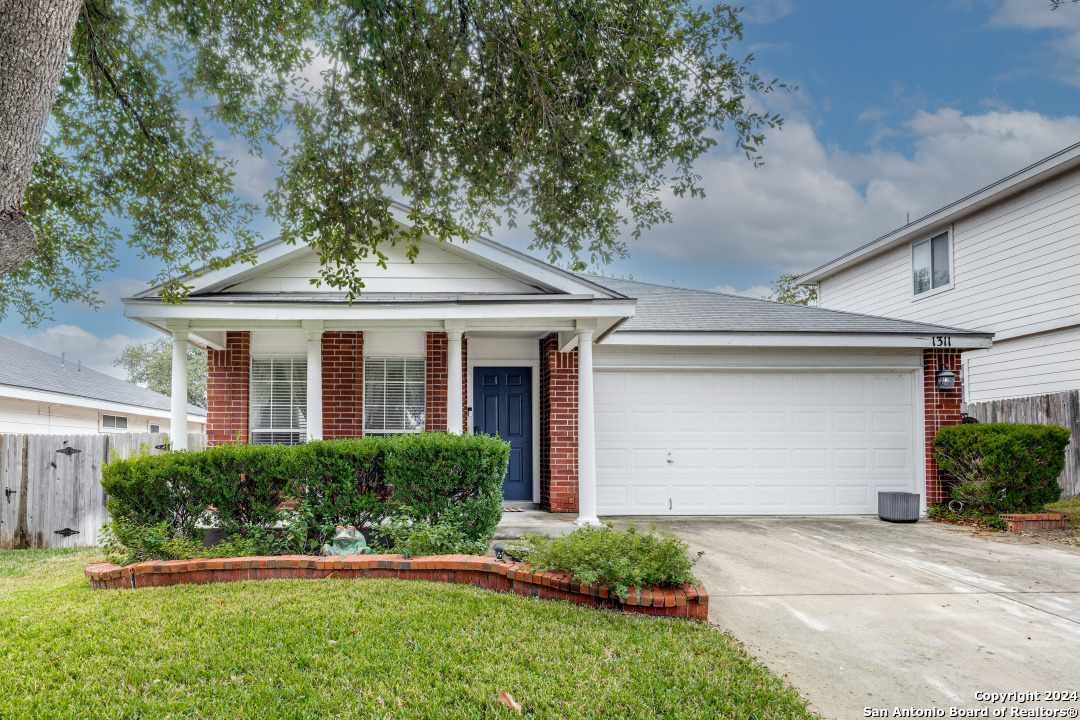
[(618, 397)]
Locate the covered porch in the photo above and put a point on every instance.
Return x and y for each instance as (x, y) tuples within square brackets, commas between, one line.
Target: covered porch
[(521, 369)]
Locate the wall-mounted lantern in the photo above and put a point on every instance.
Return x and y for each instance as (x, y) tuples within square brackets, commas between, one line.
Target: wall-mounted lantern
[(946, 378)]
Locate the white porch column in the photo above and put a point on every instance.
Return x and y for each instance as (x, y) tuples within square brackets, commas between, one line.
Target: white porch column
[(314, 385), (178, 428), (453, 381), (586, 432)]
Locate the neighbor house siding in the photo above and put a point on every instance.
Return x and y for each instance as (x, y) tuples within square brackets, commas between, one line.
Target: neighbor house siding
[(1014, 270), (1014, 274), (41, 418), (1037, 365), (228, 391)]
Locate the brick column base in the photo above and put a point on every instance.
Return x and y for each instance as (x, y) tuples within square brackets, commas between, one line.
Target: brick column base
[(558, 427), (228, 391), (941, 409), (343, 384)]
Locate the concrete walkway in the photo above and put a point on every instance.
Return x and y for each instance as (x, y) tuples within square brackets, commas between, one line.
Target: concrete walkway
[(858, 613)]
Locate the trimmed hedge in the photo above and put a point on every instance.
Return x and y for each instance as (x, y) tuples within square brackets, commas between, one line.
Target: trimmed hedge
[(1002, 468), (431, 477)]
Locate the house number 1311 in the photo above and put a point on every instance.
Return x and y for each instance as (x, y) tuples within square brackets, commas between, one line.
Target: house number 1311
[(942, 341)]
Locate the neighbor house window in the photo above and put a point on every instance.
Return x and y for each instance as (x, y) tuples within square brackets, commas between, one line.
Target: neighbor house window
[(155, 428), (930, 263), (278, 401), (393, 395), (114, 422)]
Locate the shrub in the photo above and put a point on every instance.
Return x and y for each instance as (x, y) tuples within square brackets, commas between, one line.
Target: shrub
[(418, 538), (455, 479), (620, 560), (431, 478), (1001, 467), (127, 542)]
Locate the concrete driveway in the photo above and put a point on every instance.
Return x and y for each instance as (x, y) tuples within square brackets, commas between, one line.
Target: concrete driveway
[(859, 613)]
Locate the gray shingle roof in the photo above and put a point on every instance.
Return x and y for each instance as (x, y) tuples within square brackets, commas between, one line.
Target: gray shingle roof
[(24, 367), (661, 308)]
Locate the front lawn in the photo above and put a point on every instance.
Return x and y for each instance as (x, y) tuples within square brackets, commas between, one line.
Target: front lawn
[(351, 649)]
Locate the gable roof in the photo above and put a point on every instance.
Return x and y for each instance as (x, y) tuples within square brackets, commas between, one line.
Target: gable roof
[(667, 309), (1046, 169), (25, 367), (274, 254)]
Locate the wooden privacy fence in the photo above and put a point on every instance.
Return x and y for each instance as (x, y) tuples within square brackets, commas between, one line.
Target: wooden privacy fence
[(52, 485), (1056, 409)]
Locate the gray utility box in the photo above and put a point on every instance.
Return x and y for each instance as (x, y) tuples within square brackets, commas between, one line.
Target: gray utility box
[(899, 507)]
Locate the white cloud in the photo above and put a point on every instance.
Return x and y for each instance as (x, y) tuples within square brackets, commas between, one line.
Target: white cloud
[(763, 12), (757, 291), (1063, 23), (811, 202), (112, 292), (78, 344)]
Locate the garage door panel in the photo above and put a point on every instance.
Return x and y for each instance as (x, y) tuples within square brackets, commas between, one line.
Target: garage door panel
[(849, 421), (648, 422), (770, 421), (809, 459), (730, 421), (648, 458), (770, 458), (753, 442), (810, 421), (650, 498), (891, 422)]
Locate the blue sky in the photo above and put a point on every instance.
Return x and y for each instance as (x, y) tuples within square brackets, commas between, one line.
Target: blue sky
[(901, 108)]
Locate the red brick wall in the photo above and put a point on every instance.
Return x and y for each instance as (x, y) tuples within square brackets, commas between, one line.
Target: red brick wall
[(228, 391), (558, 427), (435, 393), (942, 409), (465, 386), (343, 384)]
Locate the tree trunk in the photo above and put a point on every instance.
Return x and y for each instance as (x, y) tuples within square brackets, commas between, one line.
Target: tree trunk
[(35, 36)]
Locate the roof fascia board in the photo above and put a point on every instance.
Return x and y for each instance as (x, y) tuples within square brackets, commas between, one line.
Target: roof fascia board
[(150, 310), (53, 398), (887, 340), (1042, 171)]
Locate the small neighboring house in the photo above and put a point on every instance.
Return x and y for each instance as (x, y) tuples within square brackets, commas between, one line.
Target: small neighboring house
[(1005, 260), (617, 397), (45, 395)]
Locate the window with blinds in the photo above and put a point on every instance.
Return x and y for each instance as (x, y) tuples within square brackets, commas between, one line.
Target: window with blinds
[(393, 395), (278, 401)]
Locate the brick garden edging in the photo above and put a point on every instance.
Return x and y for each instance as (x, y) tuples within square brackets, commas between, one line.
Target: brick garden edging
[(688, 601), (1020, 522)]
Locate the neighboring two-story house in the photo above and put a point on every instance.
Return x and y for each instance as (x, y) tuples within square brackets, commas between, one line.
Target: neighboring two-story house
[(1005, 259)]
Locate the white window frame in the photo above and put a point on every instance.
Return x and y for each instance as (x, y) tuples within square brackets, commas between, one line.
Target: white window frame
[(113, 428), (301, 432), (911, 266), (150, 427), (367, 397)]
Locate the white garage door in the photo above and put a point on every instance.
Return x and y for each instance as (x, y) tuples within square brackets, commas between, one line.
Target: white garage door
[(769, 443)]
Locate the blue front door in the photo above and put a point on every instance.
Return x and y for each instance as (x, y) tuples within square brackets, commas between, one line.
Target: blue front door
[(502, 405)]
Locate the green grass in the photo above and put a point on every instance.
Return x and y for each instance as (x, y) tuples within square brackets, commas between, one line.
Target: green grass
[(1069, 505), (351, 649)]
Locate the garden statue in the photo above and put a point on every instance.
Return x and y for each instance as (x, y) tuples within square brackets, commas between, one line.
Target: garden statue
[(347, 541)]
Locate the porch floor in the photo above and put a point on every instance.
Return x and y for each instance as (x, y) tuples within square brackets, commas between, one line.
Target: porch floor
[(531, 520)]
